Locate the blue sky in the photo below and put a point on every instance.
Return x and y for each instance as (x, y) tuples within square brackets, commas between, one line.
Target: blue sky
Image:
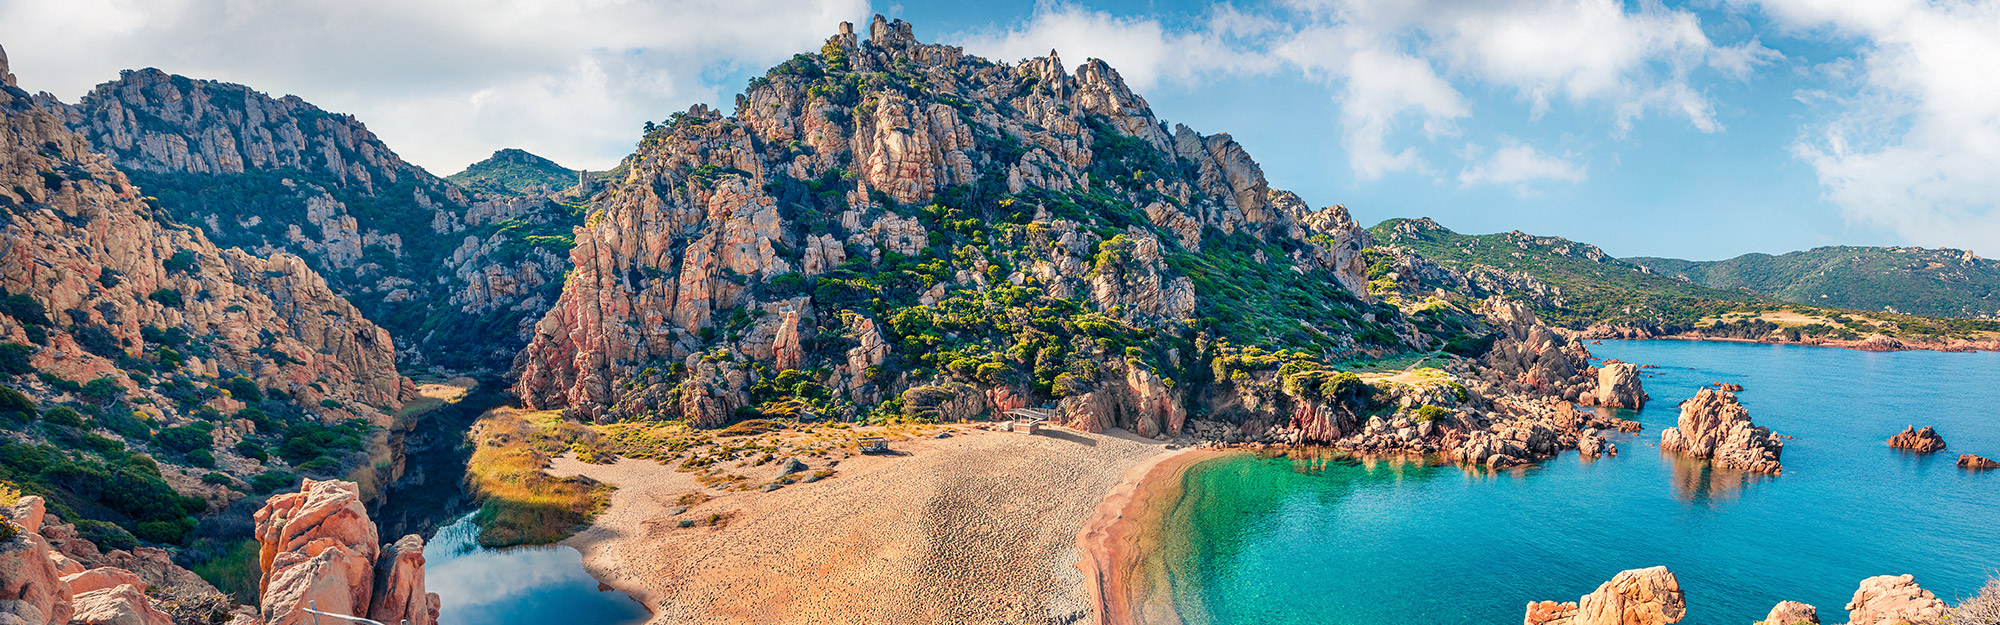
[(1696, 130)]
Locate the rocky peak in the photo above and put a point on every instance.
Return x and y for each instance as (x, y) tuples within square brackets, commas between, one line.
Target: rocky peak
[(6, 72)]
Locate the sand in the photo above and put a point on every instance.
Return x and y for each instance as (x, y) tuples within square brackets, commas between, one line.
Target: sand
[(1117, 537), (982, 527)]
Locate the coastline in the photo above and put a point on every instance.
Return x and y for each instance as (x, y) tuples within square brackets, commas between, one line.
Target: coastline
[(1111, 541), (1878, 343)]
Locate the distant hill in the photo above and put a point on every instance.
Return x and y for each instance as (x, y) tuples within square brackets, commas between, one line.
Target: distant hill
[(1568, 283), (1939, 283), (515, 172)]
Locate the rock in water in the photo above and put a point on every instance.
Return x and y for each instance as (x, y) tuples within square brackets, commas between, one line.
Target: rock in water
[(1893, 600), (1635, 597), (1921, 441), (1979, 463), (1715, 426), (1792, 613), (1618, 386)]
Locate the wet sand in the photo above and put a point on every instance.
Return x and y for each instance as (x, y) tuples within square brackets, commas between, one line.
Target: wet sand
[(982, 527), (1116, 539)]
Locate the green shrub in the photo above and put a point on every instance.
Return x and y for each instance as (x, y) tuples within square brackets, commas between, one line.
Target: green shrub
[(183, 260), (186, 438), (63, 415), (170, 298), (102, 390), (322, 465), (252, 450), (244, 389), (108, 536), (14, 359), (201, 458), (273, 480), (15, 407), (1428, 413)]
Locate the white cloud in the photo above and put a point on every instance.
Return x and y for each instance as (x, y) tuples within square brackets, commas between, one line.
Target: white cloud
[(1910, 140), (1519, 164), (1142, 50), (443, 82)]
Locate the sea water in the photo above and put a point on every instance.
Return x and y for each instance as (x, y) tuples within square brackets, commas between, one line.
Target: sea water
[(1279, 540), (517, 585)]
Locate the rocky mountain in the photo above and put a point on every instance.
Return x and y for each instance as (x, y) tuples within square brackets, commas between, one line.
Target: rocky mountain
[(148, 375), (456, 276), (890, 228), (1913, 280), (514, 172)]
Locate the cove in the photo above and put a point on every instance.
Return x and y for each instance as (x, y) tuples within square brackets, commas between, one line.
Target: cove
[(1321, 539), (517, 586)]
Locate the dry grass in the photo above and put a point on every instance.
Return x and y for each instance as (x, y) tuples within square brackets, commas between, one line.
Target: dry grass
[(1982, 609), (521, 503)]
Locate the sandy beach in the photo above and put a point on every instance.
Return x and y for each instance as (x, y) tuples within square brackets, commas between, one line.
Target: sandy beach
[(981, 527), (1114, 541)]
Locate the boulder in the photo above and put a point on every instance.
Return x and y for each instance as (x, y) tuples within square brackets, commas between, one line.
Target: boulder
[(1714, 426), (31, 590), (316, 545), (1649, 596), (399, 585), (120, 605), (1792, 613), (1922, 441), (1977, 463), (1618, 386), (101, 578), (1893, 600)]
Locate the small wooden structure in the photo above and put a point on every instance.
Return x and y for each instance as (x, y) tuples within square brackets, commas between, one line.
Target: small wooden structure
[(873, 445)]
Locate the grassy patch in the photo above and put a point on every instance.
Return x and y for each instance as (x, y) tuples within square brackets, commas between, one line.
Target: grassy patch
[(521, 504)]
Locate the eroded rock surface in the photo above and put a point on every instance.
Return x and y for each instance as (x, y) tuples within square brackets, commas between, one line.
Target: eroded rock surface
[(1893, 600), (1923, 441), (1649, 596), (1714, 426)]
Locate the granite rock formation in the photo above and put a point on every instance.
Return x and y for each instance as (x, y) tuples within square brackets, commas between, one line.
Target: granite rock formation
[(41, 585), (1923, 441), (317, 546), (1792, 613), (456, 276), (731, 235), (1894, 600), (1976, 462), (1714, 426), (1649, 596)]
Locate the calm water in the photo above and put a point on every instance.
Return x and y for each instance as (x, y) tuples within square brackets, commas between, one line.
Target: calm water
[(1260, 540), (518, 586)]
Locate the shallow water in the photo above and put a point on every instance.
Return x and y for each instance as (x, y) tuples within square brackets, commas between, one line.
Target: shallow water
[(1277, 540), (517, 586)]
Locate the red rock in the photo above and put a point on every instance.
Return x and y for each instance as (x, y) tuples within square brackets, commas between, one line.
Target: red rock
[(1970, 461), (1792, 613), (1922, 441), (121, 605), (1893, 600), (1714, 426)]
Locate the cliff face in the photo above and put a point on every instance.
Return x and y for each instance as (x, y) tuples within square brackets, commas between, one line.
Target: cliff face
[(455, 276), (888, 215), (101, 267)]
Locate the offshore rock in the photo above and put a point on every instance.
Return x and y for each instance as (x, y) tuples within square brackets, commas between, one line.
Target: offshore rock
[(1714, 426), (1618, 386), (1922, 441), (1977, 463)]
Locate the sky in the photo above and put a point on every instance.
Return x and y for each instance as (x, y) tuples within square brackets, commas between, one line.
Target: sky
[(1698, 130)]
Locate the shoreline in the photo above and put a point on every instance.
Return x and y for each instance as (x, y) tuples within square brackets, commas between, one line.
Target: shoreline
[(1110, 540), (1879, 343)]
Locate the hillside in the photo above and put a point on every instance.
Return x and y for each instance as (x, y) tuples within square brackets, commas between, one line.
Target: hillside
[(1578, 286), (455, 276), (514, 172), (150, 376), (890, 228), (1918, 281)]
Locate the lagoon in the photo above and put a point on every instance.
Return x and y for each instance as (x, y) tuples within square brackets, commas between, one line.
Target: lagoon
[(1335, 541), (518, 585)]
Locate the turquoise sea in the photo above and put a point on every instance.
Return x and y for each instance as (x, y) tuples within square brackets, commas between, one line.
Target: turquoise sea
[(1338, 542)]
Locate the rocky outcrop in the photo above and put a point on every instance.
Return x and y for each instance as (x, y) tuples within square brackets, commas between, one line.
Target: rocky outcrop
[(33, 590), (120, 605), (1894, 600), (1792, 613), (82, 241), (1714, 426), (317, 546), (1922, 441), (1618, 387), (1636, 597), (273, 176), (1977, 463), (1528, 355), (40, 585)]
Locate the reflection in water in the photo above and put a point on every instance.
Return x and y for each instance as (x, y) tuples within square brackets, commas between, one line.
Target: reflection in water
[(1703, 484), (520, 585)]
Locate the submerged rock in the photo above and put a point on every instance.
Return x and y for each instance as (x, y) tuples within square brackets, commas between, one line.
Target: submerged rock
[(1714, 426), (1921, 441)]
